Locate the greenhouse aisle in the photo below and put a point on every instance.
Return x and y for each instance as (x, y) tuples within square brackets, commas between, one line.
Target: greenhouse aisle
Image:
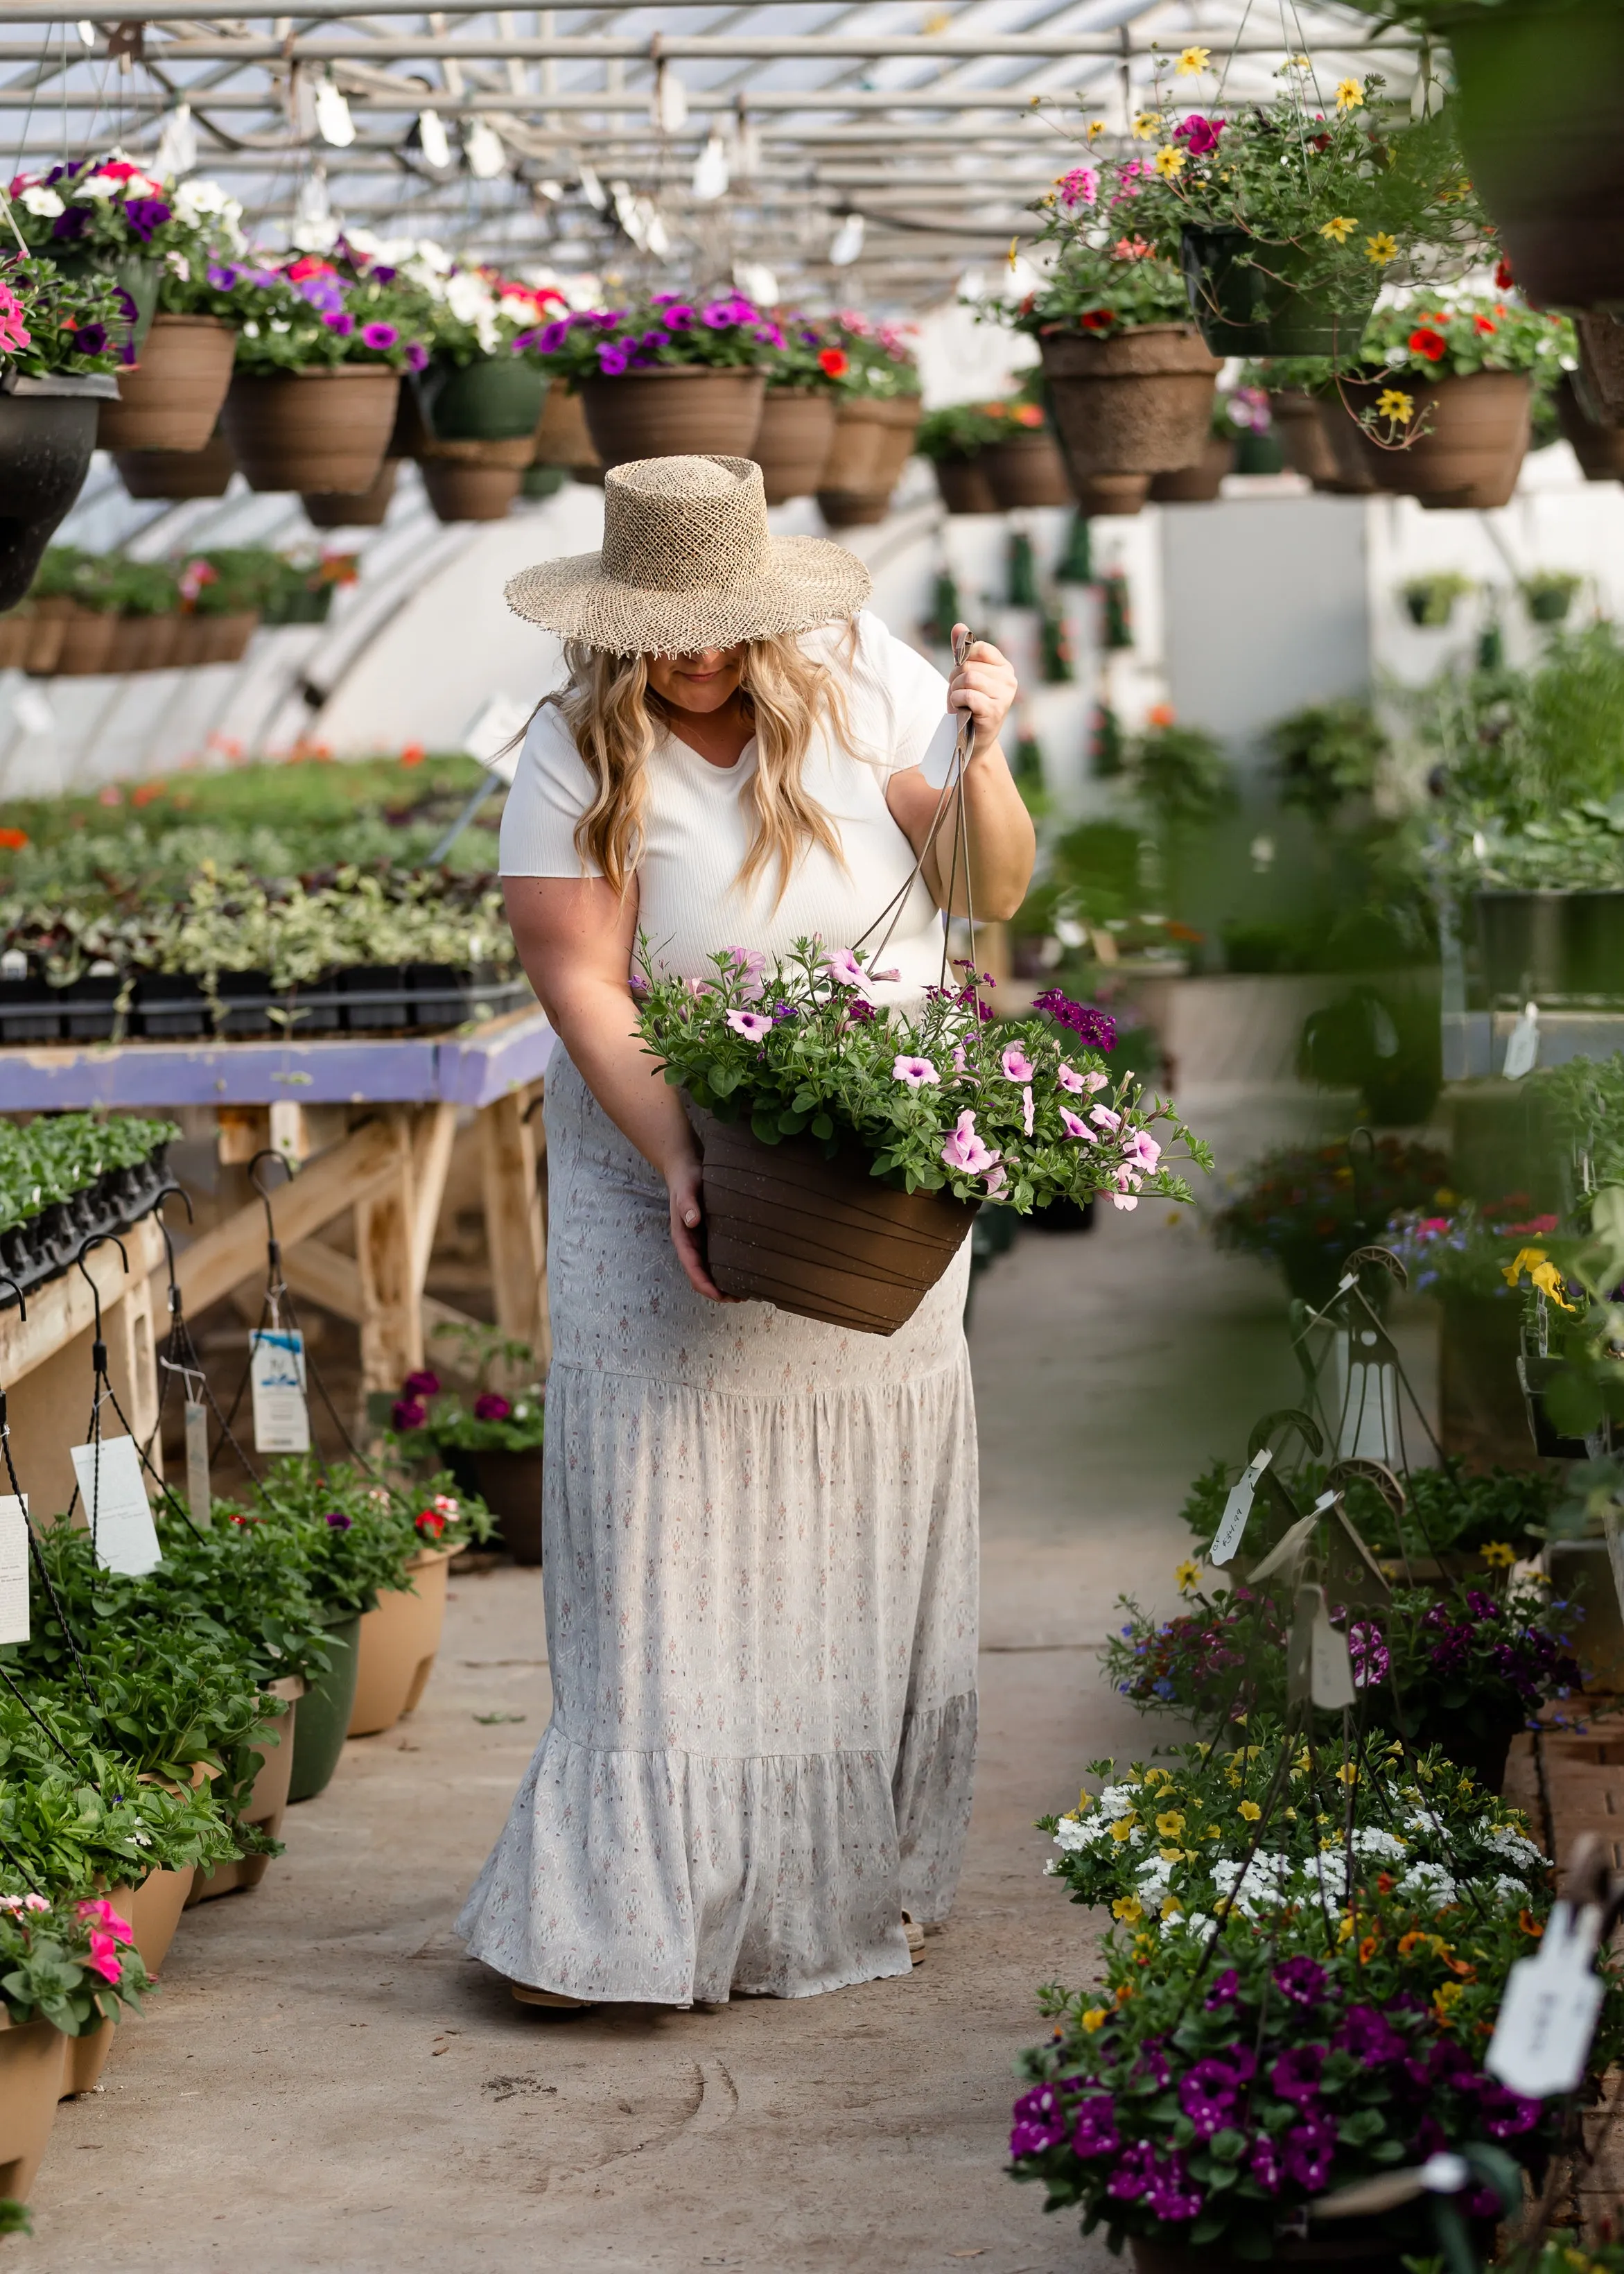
[(326, 2080)]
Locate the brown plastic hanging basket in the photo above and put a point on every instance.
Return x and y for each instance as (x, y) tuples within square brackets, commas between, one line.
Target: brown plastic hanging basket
[(793, 443), (820, 1238)]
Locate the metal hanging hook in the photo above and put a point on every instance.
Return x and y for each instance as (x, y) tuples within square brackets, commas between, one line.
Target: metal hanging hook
[(95, 1240), (22, 1306), (168, 1243), (269, 1153)]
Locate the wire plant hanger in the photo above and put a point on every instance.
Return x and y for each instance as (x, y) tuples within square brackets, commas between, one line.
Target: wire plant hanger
[(104, 1394)]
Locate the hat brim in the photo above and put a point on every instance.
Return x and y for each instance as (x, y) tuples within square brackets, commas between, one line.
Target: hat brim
[(806, 581)]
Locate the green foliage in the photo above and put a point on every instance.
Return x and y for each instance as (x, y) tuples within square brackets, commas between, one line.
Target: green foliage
[(1449, 1509), (1548, 593), (957, 430), (1327, 755), (1020, 571), (49, 1159), (1585, 1097), (1182, 776), (496, 1421), (1431, 601), (71, 1962), (73, 323), (1433, 337), (1382, 1042)]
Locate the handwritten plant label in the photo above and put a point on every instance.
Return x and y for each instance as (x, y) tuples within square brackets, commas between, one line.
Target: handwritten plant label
[(117, 1508), (1238, 1509), (276, 1375), (13, 1567), (198, 1498)]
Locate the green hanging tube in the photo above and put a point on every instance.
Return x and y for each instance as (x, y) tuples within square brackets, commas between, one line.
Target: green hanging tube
[(1022, 585), (1105, 754), (1077, 566), (1118, 629)]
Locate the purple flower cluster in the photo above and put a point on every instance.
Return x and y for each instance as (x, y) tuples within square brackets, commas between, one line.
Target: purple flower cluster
[(1094, 1026), (1161, 2182)]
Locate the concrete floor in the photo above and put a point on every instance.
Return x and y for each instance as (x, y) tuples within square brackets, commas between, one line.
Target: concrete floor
[(324, 2082)]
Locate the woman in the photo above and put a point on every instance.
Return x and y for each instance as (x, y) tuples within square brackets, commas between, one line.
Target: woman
[(759, 1531)]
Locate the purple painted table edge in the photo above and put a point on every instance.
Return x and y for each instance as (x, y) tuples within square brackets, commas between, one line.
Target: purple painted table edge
[(468, 1069)]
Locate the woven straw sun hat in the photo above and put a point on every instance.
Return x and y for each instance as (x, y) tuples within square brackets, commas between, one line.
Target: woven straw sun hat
[(688, 562)]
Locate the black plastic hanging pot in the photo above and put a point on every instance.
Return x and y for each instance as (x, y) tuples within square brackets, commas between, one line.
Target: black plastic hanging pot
[(47, 430), (1245, 306)]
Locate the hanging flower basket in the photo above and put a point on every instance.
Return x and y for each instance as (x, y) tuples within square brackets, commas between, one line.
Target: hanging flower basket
[(1472, 436), (320, 429), (170, 398), (675, 410), (495, 398), (1100, 496), (561, 435), (964, 485), (31, 2078), (474, 481), (399, 1641), (1245, 306), (143, 642), (1025, 468), (1601, 362), (47, 430), (1133, 401), (874, 441), (1599, 449), (205, 472), (135, 274), (793, 441), (1197, 485), (86, 641), (369, 508)]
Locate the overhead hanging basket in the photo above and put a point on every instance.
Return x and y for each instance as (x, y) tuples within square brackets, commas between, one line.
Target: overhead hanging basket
[(1346, 446), (1136, 402), (1599, 449), (1537, 98), (137, 274), (474, 481), (178, 473), (170, 398), (314, 429), (679, 411), (874, 441), (964, 485), (1601, 362), (1472, 437), (1296, 421), (47, 430), (143, 642), (561, 435), (85, 645), (368, 509), (1026, 469), (1197, 485), (793, 441), (1100, 496), (823, 1239), (494, 399), (1247, 306)]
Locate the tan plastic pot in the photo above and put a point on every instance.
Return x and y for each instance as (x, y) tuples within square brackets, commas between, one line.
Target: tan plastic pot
[(873, 443), (822, 1238), (1472, 435), (87, 643), (154, 1910), (1599, 449), (561, 435), (311, 430), (399, 1642), (83, 2058), (30, 2072), (674, 413), (964, 485), (1197, 485), (1026, 469), (1140, 403), (267, 1803), (204, 472), (1099, 496), (366, 509), (171, 397), (793, 441), (143, 642)]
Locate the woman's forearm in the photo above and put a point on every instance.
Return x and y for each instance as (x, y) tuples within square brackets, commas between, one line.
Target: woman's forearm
[(1002, 842)]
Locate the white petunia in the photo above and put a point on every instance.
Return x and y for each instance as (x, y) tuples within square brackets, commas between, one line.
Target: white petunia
[(40, 200), (1369, 1840)]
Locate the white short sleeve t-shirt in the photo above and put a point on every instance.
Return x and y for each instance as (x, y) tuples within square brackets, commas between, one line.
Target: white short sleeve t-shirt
[(698, 824)]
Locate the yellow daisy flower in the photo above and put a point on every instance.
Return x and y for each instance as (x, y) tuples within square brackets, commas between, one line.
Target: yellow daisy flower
[(1393, 404), (1382, 248), (1189, 1577), (1146, 125), (1169, 161), (1096, 2017), (1096, 127), (1350, 94), (1499, 1554), (1339, 228), (1193, 60)]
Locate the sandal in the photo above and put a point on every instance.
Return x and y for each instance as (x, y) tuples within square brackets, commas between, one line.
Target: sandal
[(915, 1934), (551, 2001)]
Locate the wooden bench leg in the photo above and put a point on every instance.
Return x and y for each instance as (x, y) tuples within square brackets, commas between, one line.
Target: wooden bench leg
[(515, 1232), (391, 1325)]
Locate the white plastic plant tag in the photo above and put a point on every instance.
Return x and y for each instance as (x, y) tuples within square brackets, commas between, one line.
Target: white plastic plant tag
[(13, 1567), (116, 1509), (1547, 2016), (1318, 1667), (198, 1498), (1236, 1508), (1523, 1050), (276, 1373)]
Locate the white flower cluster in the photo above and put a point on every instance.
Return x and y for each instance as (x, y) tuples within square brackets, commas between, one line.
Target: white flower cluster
[(1370, 1840), (1253, 1886)]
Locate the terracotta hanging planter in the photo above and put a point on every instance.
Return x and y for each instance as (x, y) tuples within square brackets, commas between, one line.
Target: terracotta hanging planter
[(1472, 437), (266, 1803), (964, 485), (399, 1641), (47, 430), (873, 442), (86, 643), (1243, 309), (318, 430), (367, 509), (1137, 402), (1197, 485), (170, 398), (1537, 100), (1295, 417), (1026, 469), (1099, 496), (44, 626), (822, 1238), (561, 435), (31, 2073), (1599, 449), (178, 473), (793, 441), (1346, 446), (473, 481), (688, 409)]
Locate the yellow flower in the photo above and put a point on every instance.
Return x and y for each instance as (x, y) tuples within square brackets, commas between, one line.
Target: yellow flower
[(1170, 1823), (1172, 1856), (1393, 404), (1193, 60), (1297, 62), (1096, 127), (1014, 254), (1339, 228), (1096, 2017), (1127, 1909), (1169, 161), (1124, 1828), (1350, 94), (1498, 1553), (1382, 248), (1189, 1576), (1250, 1810), (1348, 1773), (1172, 1907), (1214, 1832), (1146, 125), (1292, 1816), (1344, 1927)]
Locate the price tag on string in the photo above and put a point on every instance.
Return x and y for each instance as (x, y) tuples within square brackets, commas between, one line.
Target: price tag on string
[(1318, 1668), (117, 1508), (276, 1375), (1547, 2016), (1522, 1048), (1238, 1509), (13, 1567), (198, 1498)]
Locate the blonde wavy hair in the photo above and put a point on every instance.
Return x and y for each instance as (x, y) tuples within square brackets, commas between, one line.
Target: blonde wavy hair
[(611, 710)]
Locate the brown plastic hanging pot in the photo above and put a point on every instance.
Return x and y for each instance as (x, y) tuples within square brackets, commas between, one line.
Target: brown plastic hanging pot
[(1601, 362), (561, 435), (171, 397), (1100, 496), (1197, 485), (1137, 401), (873, 443), (143, 642), (316, 430), (1295, 417), (964, 485), (683, 410), (86, 643), (793, 441), (1472, 437), (822, 1238), (367, 509), (205, 473), (474, 481), (1599, 449), (1026, 469)]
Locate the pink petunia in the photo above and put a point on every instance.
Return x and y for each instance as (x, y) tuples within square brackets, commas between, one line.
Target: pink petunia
[(1026, 1109), (913, 1072), (1104, 1118), (1017, 1065), (1121, 1201), (843, 966), (750, 1024), (1142, 1149), (1078, 1084), (13, 333), (749, 964), (961, 1064), (1074, 1126), (995, 1181), (964, 1150), (35, 1903), (104, 1956), (99, 1908)]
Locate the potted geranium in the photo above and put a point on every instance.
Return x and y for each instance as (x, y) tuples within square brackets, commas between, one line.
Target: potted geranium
[(668, 375), (58, 351), (953, 438), (1130, 380), (875, 421), (888, 1129), (492, 1442)]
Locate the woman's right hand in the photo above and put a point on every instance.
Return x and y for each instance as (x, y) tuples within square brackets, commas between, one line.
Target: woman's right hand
[(683, 1183)]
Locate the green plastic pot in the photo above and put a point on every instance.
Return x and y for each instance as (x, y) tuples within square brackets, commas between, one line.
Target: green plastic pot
[(324, 1712), (1241, 309), (137, 272), (495, 399)]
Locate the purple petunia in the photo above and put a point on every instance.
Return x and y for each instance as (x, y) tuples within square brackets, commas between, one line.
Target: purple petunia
[(383, 273), (612, 359), (380, 337), (1264, 2164), (91, 339), (72, 222), (1097, 1028), (340, 320), (223, 275), (1369, 2036), (1206, 2094), (1307, 2151), (1095, 2132), (409, 1413), (1505, 2113), (718, 315), (1303, 1981), (1199, 135), (679, 317), (145, 214), (551, 338), (1295, 2074), (423, 1384), (1226, 1988), (491, 1405), (338, 1521), (1040, 2122), (417, 356), (1171, 2194)]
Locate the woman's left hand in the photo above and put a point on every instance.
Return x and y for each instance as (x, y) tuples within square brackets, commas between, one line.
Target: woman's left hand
[(984, 684)]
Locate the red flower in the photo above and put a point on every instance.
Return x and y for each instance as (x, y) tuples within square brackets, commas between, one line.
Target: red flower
[(118, 170), (1484, 324), (307, 265), (1099, 320), (1503, 278), (1425, 341), (431, 1524), (12, 840), (834, 363)]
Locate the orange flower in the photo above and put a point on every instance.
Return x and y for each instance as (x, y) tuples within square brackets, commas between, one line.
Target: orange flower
[(412, 755), (1414, 1940), (1027, 414), (1484, 325), (13, 839), (1384, 1883), (1161, 714), (1529, 1924), (834, 363), (1368, 1948)]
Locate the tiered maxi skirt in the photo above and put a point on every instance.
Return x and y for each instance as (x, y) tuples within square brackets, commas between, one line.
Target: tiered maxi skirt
[(759, 1536)]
